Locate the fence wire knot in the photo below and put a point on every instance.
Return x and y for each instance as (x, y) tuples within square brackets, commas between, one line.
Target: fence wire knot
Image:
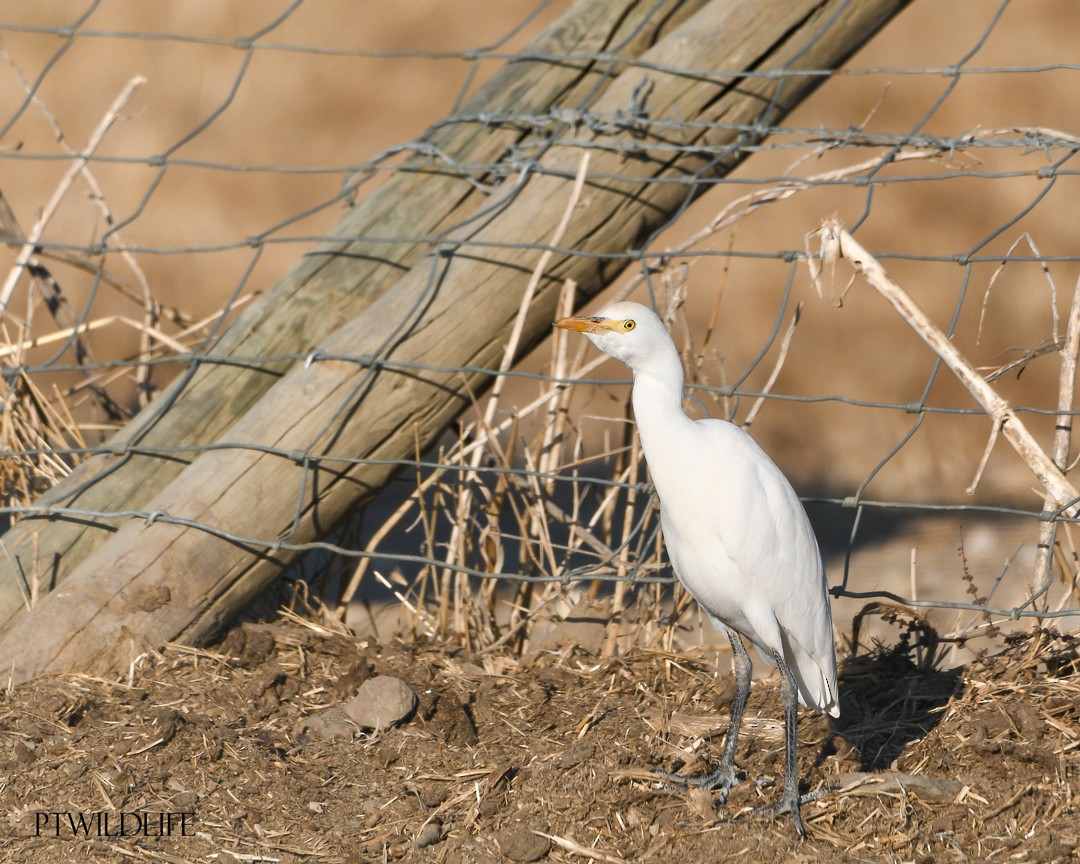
[(151, 518)]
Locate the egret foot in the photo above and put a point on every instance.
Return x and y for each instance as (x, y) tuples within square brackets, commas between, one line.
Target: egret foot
[(722, 780), (787, 803)]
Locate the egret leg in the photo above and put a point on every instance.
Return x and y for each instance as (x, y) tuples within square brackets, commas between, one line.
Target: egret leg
[(724, 778), (789, 800)]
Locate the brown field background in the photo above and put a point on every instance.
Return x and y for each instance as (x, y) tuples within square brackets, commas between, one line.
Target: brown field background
[(302, 110)]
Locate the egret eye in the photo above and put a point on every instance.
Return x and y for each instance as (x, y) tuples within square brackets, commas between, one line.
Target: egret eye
[(628, 325)]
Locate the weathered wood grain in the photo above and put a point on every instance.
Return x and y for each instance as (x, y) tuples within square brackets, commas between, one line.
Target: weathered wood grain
[(454, 308), (330, 285)]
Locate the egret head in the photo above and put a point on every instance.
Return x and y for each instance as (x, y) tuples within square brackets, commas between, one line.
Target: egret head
[(627, 331)]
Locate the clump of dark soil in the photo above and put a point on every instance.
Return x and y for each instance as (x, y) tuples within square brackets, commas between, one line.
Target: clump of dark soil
[(542, 758)]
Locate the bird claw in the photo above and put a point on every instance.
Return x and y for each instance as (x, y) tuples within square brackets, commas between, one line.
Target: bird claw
[(779, 809), (722, 780), (790, 804)]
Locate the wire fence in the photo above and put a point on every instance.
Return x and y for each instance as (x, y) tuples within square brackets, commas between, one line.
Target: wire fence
[(536, 505)]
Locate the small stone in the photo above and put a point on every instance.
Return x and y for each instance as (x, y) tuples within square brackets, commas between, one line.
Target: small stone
[(429, 835), (381, 702), (518, 842)]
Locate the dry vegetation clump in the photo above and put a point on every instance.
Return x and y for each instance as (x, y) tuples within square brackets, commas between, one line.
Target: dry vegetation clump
[(525, 561), (541, 757)]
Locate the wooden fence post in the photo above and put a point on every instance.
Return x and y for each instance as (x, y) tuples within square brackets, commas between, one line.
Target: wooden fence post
[(295, 461)]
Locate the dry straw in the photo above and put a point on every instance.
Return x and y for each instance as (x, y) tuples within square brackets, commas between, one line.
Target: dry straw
[(527, 487)]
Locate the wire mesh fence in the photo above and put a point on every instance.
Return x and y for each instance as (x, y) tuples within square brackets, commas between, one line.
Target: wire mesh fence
[(161, 174)]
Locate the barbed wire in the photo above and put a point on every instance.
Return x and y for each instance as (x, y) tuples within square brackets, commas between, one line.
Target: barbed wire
[(556, 506)]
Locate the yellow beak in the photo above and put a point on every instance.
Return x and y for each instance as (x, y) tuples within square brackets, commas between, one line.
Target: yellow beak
[(586, 324)]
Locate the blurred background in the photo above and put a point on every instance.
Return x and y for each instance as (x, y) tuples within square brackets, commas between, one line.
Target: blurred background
[(221, 144)]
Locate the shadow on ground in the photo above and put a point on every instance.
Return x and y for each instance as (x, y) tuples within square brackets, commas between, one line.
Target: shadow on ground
[(893, 696)]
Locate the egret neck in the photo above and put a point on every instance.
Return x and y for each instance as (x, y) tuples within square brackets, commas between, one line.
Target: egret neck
[(658, 409)]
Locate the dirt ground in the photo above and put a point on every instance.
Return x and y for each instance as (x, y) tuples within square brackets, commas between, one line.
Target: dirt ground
[(545, 757)]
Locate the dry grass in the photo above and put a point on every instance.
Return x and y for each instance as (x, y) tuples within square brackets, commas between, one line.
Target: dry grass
[(539, 484), (553, 675), (982, 763), (45, 434), (523, 485)]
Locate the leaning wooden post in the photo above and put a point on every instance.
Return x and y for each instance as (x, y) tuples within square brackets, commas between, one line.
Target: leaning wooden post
[(325, 436), (331, 284)]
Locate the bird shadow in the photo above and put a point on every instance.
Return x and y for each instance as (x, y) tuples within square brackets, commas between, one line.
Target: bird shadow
[(891, 695)]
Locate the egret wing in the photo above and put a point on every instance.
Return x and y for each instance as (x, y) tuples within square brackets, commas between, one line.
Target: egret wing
[(740, 541)]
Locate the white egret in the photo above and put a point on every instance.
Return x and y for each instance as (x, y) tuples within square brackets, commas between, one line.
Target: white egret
[(736, 533)]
